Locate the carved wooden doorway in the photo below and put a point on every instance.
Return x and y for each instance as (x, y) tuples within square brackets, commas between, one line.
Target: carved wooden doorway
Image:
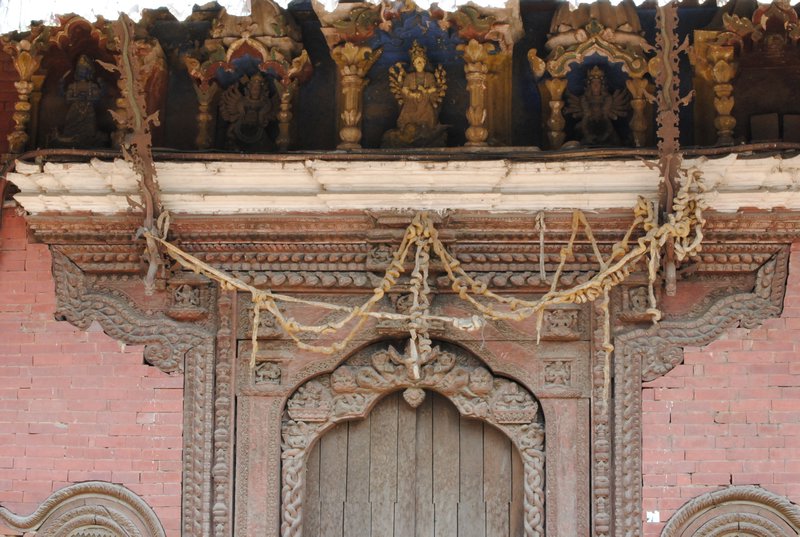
[(405, 472)]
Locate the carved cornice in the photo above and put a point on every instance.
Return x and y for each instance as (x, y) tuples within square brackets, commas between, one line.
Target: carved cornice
[(90, 504), (747, 509)]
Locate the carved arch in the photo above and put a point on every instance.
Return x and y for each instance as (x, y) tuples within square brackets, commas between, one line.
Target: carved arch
[(353, 389), (90, 508), (748, 511)]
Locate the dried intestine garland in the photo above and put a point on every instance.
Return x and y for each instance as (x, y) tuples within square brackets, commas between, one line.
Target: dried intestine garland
[(684, 227)]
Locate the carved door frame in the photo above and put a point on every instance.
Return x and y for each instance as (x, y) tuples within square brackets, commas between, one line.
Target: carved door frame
[(352, 390)]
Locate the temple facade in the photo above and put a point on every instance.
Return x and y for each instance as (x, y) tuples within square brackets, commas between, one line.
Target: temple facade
[(382, 270)]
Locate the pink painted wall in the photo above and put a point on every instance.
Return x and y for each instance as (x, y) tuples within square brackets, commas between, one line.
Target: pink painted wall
[(77, 406)]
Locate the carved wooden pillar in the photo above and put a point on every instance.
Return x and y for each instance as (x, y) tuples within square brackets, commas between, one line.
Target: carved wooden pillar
[(354, 62), (723, 70), (27, 58), (476, 67), (716, 64), (637, 87), (205, 121), (285, 115), (555, 119)]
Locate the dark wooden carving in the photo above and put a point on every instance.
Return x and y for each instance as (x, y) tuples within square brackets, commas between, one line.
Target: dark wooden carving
[(93, 508)]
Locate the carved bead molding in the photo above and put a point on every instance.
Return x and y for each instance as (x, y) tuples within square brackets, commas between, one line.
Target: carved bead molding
[(170, 345), (743, 511), (353, 389), (646, 354), (90, 508)]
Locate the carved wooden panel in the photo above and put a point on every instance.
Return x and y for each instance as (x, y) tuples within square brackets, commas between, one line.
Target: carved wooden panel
[(406, 472)]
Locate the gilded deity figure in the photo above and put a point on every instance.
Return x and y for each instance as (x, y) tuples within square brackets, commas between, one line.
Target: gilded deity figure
[(82, 94), (419, 94), (248, 112), (596, 109)]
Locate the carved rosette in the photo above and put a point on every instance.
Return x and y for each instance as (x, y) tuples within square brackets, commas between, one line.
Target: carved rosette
[(351, 390)]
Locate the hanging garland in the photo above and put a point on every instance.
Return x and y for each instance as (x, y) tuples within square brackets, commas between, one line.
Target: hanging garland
[(684, 228)]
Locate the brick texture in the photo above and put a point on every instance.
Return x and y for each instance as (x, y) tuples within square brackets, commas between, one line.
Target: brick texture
[(74, 405), (729, 415)]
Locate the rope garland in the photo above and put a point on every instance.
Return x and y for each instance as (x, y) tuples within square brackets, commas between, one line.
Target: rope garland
[(684, 227)]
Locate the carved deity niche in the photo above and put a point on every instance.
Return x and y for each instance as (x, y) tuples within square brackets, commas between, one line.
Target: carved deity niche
[(77, 92), (361, 34), (597, 29), (352, 389), (251, 67), (747, 69)]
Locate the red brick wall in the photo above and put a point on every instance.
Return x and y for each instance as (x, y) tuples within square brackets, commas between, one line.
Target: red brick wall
[(730, 414), (74, 405)]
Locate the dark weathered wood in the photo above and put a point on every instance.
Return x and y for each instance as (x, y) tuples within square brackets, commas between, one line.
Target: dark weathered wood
[(311, 502), (497, 481), (445, 467), (424, 470), (333, 481), (471, 510), (404, 509), (517, 496), (357, 509), (383, 466)]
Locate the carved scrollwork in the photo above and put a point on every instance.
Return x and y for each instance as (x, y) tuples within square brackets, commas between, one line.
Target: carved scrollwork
[(746, 511), (352, 389), (93, 508)]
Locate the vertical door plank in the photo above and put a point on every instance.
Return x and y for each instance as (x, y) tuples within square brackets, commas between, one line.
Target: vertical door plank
[(332, 481), (471, 509), (383, 466), (356, 508), (445, 467), (311, 500), (424, 469), (497, 481), (406, 470), (517, 495)]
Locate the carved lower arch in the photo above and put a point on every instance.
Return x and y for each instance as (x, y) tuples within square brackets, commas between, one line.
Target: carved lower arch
[(351, 390), (90, 508), (746, 511)]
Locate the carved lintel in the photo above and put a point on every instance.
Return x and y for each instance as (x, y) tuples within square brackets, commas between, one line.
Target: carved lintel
[(476, 67), (354, 62)]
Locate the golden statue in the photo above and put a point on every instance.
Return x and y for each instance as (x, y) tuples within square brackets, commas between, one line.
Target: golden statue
[(597, 108), (419, 94)]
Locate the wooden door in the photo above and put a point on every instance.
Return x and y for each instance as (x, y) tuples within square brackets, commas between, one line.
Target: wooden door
[(405, 472)]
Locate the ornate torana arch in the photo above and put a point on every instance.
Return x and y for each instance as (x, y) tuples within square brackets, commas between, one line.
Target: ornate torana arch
[(747, 511), (93, 508), (351, 390)]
